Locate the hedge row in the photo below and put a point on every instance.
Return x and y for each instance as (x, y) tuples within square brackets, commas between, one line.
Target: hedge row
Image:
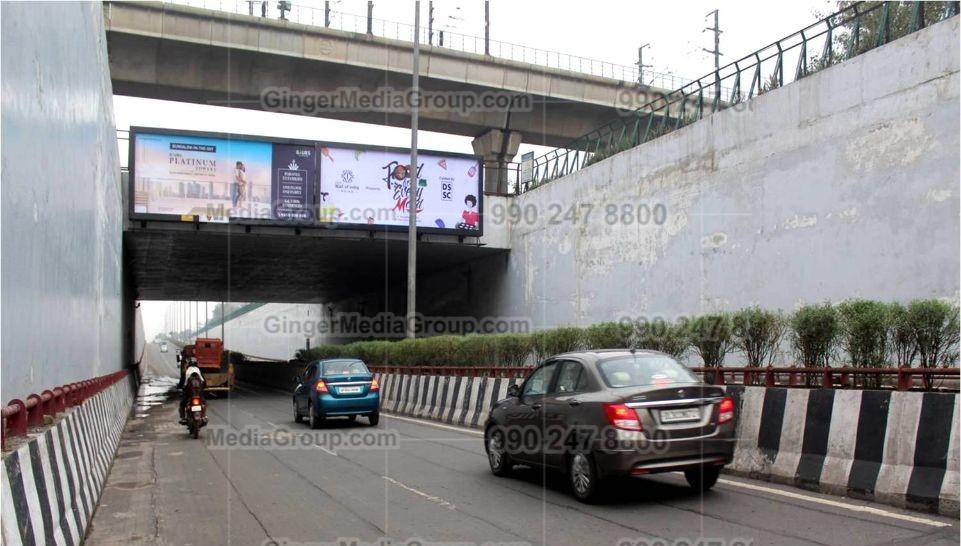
[(857, 332)]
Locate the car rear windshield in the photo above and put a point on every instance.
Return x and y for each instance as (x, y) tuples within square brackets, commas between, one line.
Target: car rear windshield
[(346, 367), (643, 371)]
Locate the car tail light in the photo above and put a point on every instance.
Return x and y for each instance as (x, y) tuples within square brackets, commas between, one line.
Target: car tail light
[(622, 417), (725, 410), (195, 402), (374, 385), (321, 386)]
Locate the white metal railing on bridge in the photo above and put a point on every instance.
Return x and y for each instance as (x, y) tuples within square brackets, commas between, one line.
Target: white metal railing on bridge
[(319, 16)]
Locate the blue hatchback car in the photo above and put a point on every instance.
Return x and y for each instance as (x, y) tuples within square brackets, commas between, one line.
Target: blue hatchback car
[(341, 387)]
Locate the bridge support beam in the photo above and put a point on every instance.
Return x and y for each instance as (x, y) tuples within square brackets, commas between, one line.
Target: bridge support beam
[(497, 147)]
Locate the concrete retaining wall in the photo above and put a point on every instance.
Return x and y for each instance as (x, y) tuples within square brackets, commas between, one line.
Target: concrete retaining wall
[(62, 207), (52, 483)]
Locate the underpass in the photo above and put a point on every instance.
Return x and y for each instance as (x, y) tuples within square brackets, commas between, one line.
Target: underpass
[(431, 482)]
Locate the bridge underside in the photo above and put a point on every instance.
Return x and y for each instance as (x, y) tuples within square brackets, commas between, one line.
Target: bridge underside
[(225, 263)]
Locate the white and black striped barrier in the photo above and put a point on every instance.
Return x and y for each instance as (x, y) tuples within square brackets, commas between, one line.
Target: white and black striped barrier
[(899, 448), (51, 483)]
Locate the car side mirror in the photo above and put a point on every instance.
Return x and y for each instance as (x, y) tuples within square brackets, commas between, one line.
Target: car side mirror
[(514, 391)]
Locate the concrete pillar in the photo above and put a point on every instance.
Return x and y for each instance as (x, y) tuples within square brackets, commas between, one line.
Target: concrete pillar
[(497, 147)]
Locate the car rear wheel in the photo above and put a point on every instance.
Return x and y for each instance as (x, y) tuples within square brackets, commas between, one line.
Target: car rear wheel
[(497, 455), (584, 480), (703, 478), (315, 420), (374, 418)]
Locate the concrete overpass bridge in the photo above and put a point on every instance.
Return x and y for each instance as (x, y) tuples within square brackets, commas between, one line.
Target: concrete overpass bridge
[(162, 50)]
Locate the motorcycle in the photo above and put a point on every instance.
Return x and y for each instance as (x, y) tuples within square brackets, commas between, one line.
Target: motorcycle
[(196, 416)]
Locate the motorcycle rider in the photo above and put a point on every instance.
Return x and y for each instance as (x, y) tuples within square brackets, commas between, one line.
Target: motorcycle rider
[(192, 385)]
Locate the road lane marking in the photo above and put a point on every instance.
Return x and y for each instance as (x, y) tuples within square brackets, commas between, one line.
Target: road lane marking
[(325, 450), (432, 498), (827, 502), (435, 425)]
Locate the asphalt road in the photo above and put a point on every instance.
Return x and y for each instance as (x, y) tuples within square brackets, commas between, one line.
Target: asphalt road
[(432, 482)]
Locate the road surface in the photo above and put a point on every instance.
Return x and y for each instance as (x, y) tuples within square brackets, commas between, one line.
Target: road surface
[(431, 481)]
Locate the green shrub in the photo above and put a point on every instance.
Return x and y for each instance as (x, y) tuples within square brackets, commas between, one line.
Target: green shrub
[(864, 328), (608, 335), (475, 350), (815, 331), (757, 333), (711, 337), (374, 353), (660, 335), (438, 350), (548, 343), (903, 344), (935, 326), (511, 349)]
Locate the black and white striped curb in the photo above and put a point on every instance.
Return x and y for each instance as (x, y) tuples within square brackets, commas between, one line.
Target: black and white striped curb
[(463, 401), (899, 448), (51, 484)]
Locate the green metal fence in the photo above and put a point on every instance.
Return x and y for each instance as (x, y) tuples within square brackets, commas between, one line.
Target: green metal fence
[(840, 36)]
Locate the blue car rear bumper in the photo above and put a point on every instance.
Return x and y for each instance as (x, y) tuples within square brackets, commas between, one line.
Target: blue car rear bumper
[(327, 405)]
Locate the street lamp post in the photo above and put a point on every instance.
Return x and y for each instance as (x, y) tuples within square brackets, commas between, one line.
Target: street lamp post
[(412, 185)]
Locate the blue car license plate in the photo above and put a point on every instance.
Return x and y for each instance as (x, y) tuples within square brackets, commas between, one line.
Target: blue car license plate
[(348, 390)]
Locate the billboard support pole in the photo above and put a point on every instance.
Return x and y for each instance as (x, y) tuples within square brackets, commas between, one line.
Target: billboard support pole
[(412, 186)]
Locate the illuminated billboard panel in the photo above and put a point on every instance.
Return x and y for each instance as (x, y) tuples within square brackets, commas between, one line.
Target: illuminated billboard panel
[(373, 187), (219, 178)]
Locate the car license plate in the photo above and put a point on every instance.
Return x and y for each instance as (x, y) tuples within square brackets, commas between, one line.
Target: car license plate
[(196, 408), (680, 415), (348, 390)]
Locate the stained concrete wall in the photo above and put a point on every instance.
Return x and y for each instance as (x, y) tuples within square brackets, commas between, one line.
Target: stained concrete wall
[(842, 184), (61, 212)]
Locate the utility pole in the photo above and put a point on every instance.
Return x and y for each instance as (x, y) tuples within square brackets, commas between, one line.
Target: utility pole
[(412, 187), (487, 27), (716, 29), (326, 13), (640, 64), (430, 22), (370, 17)]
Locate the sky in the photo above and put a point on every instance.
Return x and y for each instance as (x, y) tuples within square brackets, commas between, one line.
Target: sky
[(604, 30)]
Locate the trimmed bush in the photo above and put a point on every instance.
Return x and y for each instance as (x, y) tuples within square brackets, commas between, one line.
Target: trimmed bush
[(548, 343), (815, 333), (864, 328), (512, 350), (757, 333), (608, 335), (903, 344), (660, 335), (475, 350), (935, 326), (711, 337)]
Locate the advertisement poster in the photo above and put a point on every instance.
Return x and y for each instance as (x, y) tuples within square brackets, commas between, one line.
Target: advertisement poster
[(373, 187), (212, 178), (294, 174)]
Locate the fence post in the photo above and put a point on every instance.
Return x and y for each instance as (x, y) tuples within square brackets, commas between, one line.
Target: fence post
[(18, 426), (769, 376), (827, 381), (35, 414), (904, 378)]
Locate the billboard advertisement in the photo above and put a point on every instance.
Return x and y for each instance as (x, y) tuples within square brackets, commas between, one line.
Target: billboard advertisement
[(221, 178), (373, 187)]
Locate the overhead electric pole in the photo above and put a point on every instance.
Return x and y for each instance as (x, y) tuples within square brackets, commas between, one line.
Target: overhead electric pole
[(430, 22), (716, 29), (487, 27), (640, 64), (412, 186)]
